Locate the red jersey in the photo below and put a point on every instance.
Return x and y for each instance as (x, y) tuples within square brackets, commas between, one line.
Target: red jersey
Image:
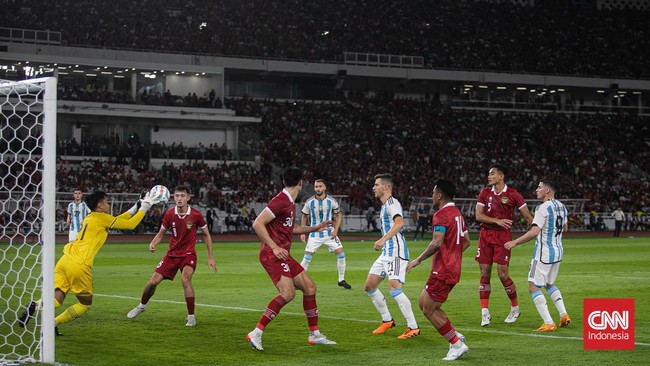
[(280, 229), (499, 206), (183, 230), (448, 259)]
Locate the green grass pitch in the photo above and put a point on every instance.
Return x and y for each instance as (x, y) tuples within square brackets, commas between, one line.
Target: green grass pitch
[(230, 302)]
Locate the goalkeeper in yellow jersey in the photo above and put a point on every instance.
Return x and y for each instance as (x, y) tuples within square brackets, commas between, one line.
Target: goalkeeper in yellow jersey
[(73, 272)]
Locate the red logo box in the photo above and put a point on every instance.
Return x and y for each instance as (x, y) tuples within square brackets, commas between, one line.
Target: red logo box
[(608, 324)]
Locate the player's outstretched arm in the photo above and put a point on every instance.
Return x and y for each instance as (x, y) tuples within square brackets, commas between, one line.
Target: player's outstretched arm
[(430, 250), (299, 229), (533, 232)]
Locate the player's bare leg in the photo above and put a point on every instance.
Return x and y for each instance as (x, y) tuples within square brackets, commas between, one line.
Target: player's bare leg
[(147, 293), (432, 310), (484, 292), (511, 291)]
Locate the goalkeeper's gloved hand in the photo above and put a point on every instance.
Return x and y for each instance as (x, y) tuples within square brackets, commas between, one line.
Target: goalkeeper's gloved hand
[(147, 202), (134, 209)]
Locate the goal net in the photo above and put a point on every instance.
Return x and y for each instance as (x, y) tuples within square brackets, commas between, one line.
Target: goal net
[(27, 217)]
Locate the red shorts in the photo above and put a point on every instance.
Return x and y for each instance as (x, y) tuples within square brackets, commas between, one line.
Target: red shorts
[(490, 247), (438, 290), (169, 266), (277, 268)]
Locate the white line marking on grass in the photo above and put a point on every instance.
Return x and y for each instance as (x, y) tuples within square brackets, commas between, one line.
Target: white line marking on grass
[(237, 308)]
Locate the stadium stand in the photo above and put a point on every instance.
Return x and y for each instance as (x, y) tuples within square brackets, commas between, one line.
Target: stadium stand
[(550, 37)]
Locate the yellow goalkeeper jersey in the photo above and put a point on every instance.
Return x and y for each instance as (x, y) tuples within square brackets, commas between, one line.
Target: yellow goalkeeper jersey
[(93, 234)]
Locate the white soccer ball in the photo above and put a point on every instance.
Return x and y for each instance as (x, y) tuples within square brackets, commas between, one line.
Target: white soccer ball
[(160, 193)]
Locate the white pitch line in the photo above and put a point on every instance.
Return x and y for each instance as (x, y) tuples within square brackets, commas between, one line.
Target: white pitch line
[(237, 308)]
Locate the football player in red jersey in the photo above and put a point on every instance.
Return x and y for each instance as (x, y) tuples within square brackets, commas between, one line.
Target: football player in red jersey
[(182, 221), (275, 226), (450, 240), (494, 210)]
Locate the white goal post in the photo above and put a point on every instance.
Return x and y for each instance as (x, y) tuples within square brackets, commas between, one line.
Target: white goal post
[(27, 165)]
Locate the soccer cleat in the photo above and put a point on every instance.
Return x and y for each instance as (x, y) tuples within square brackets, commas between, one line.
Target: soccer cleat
[(191, 322), (56, 331), (27, 314), (383, 327), (460, 336), (319, 339), (256, 340), (135, 312), (345, 285), (512, 317), (485, 319), (565, 320), (546, 328), (409, 333), (456, 351)]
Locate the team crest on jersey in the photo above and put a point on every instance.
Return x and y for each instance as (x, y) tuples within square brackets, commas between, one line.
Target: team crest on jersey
[(188, 224), (504, 200)]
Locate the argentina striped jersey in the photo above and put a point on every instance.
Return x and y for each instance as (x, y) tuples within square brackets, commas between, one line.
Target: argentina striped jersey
[(550, 217), (395, 246), (319, 211), (78, 212)]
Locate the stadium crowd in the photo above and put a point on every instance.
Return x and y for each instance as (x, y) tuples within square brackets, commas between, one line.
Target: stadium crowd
[(551, 37), (415, 140)]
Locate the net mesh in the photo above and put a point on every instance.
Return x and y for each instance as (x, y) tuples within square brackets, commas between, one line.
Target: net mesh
[(21, 127)]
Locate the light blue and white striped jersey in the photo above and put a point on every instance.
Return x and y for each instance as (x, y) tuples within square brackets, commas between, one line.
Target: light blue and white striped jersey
[(395, 246), (320, 211), (550, 216), (78, 212)]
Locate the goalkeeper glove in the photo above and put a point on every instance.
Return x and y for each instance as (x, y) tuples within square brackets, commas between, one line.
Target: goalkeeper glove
[(134, 209), (147, 202)]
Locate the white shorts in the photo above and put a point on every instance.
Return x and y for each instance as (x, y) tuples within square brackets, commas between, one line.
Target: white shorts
[(393, 268), (72, 235), (314, 243), (542, 274)]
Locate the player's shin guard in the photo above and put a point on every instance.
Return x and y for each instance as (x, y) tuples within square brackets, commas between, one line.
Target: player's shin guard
[(405, 306), (542, 309), (311, 311), (72, 313), (305, 261), (272, 310), (511, 291), (556, 296), (340, 265), (484, 291), (379, 301)]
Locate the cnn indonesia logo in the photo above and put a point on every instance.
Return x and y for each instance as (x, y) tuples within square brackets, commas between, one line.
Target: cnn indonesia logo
[(609, 324)]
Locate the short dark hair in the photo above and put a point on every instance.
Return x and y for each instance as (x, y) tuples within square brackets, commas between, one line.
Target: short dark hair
[(92, 200), (447, 188), (182, 188), (291, 176), (500, 167), (321, 180), (550, 184), (386, 177)]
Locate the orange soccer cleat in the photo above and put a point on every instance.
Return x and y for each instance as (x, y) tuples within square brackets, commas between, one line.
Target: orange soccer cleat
[(565, 320), (546, 328), (384, 326), (410, 333)]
